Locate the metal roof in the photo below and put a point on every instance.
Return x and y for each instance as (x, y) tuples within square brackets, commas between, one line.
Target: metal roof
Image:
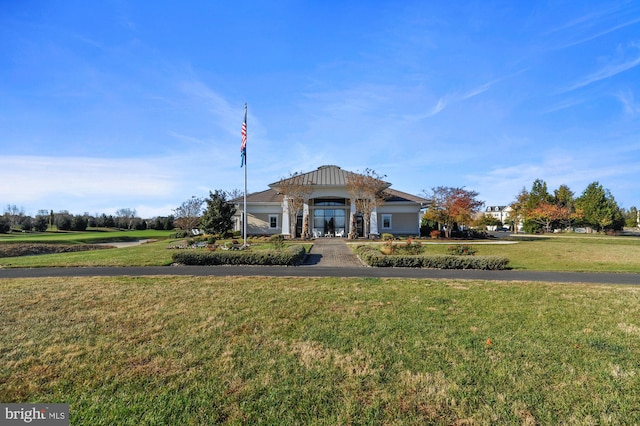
[(324, 176)]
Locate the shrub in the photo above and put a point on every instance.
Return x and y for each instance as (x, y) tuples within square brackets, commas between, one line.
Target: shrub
[(386, 236), (277, 241), (462, 250), (373, 257), (410, 248), (292, 255), (179, 234), (435, 234)]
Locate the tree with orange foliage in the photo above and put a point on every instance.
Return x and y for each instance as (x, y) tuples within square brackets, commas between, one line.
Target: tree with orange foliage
[(450, 206), (548, 214)]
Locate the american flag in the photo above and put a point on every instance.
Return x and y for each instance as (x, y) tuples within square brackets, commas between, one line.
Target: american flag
[(243, 147)]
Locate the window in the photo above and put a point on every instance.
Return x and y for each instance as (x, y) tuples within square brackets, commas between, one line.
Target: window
[(329, 202), (273, 221), (386, 221)]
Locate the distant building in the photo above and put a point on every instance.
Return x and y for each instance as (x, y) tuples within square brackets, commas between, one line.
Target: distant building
[(499, 212), (503, 214)]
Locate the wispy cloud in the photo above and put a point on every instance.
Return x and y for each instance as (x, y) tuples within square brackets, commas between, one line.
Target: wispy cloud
[(631, 107), (607, 71), (587, 27), (456, 97)]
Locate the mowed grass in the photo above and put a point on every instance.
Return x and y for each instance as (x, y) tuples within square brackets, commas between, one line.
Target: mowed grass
[(147, 254), (570, 252), (93, 236), (185, 350), (573, 252)]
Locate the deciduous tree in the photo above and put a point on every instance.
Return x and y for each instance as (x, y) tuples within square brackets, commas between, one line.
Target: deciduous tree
[(296, 190), (548, 215), (367, 190), (450, 206), (187, 215)]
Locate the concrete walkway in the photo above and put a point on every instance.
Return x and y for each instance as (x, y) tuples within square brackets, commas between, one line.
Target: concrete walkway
[(331, 252)]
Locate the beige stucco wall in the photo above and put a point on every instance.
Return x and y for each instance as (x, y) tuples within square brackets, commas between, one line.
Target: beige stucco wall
[(259, 224), (401, 223)]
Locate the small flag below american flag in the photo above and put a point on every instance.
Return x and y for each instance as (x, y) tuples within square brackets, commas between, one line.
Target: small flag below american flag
[(243, 147)]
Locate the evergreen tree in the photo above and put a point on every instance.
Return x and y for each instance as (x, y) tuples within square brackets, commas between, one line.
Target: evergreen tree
[(599, 209), (218, 216)]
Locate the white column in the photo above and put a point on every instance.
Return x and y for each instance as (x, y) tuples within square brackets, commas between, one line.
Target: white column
[(352, 216), (374, 222), (285, 217), (305, 217)]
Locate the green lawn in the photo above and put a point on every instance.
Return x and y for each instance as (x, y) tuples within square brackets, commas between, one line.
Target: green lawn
[(573, 252), (90, 237), (570, 252), (185, 350)]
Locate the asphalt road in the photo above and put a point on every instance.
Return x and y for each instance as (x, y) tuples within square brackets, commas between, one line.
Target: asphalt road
[(320, 271)]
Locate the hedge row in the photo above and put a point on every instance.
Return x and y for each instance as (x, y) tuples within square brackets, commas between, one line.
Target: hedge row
[(290, 256), (371, 256)]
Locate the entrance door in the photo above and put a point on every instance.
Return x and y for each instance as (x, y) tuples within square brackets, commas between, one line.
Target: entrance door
[(299, 226), (329, 221), (360, 225)]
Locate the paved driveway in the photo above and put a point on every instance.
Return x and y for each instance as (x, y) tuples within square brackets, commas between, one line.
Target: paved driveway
[(333, 253)]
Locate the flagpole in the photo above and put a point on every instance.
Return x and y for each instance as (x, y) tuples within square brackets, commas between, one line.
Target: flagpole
[(246, 216)]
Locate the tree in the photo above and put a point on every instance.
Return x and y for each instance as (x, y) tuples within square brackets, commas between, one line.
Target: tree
[(487, 220), (519, 209), (548, 215), (14, 214), (296, 190), (26, 223), (538, 195), (632, 217), (234, 193), (63, 220), (451, 206), (5, 226), (218, 215), (188, 214), (564, 197), (599, 208), (79, 223), (367, 190), (125, 218), (41, 223)]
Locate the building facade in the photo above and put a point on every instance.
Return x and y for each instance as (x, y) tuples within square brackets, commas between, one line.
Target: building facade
[(329, 209)]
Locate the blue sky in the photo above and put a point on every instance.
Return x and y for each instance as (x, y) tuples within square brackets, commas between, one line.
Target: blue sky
[(138, 104)]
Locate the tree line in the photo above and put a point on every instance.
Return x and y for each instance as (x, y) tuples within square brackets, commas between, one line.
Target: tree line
[(213, 215), (541, 211), (14, 218), (534, 211)]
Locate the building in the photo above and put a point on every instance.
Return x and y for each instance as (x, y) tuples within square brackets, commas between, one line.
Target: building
[(329, 209), (499, 212)]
